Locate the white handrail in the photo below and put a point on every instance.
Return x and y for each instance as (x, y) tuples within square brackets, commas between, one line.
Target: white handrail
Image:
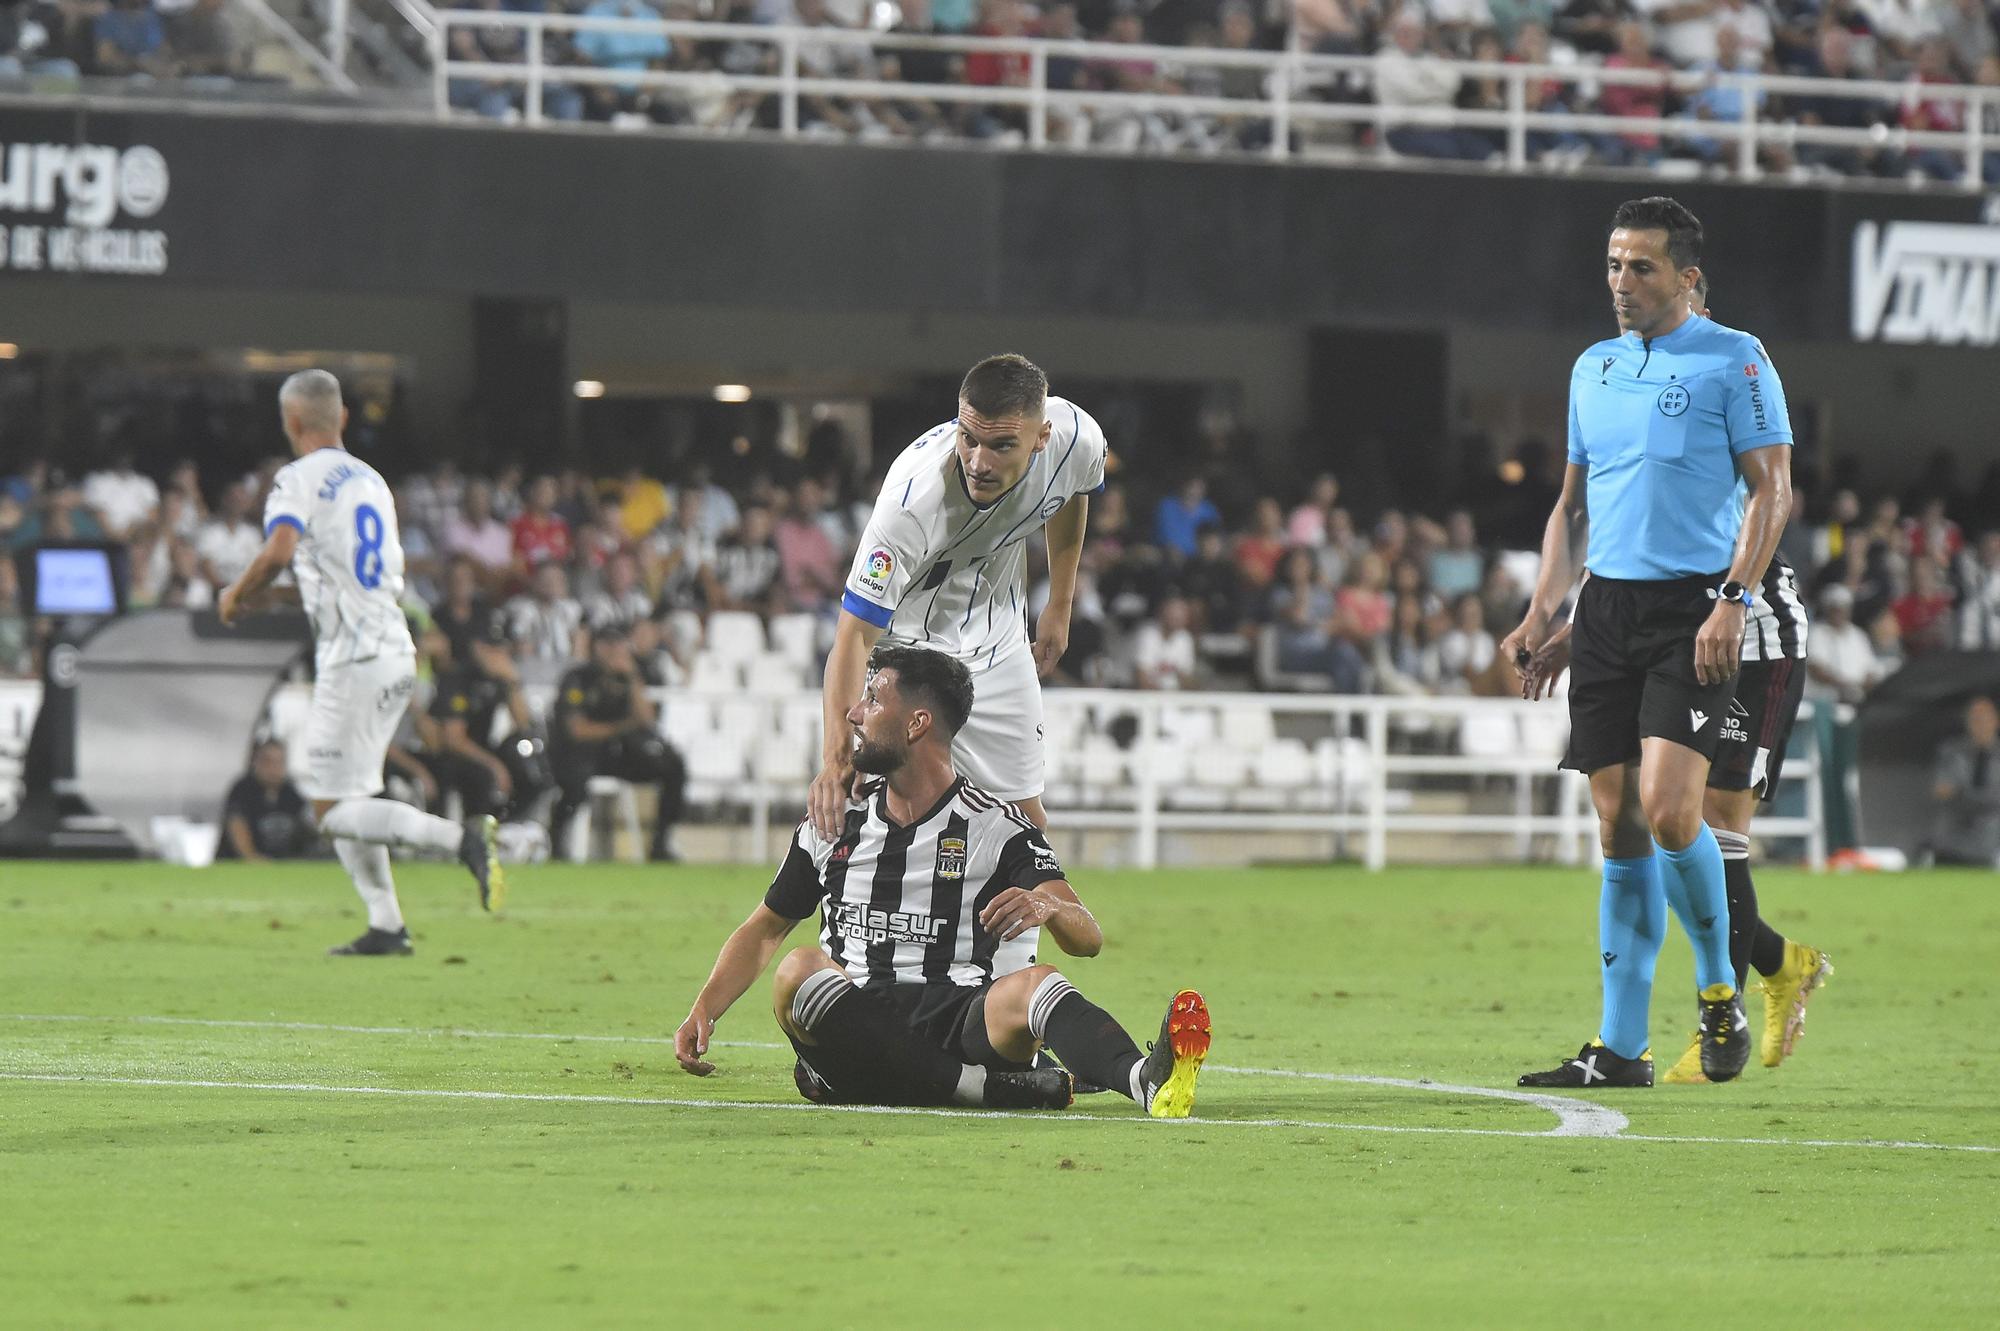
[(1282, 106)]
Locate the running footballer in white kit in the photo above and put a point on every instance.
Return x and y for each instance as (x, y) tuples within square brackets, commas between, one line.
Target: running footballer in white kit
[(330, 517), (943, 565)]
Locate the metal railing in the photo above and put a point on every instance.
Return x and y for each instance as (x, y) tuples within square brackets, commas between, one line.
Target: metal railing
[(1292, 108)]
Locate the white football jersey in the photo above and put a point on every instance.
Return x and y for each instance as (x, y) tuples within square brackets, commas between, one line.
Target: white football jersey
[(349, 561), (935, 569)]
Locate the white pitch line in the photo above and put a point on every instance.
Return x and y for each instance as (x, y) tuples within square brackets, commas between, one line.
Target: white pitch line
[(534, 1097), (1575, 1118)]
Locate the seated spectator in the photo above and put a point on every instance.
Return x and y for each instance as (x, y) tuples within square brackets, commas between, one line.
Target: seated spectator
[(1683, 31), (1163, 655), (186, 588), (432, 499), (1510, 17), (264, 817), (1834, 61), (463, 614), (31, 41), (231, 539), (1407, 662), (478, 535), (812, 567), (1501, 599), (1466, 649), (1307, 524), (621, 602), (1721, 99), (204, 40), (1406, 583), (747, 567), (1900, 27), (124, 499), (1979, 611), (1213, 585), (1180, 515), (497, 775), (540, 536), (1645, 100), (1937, 115), (1258, 551), (679, 558), (1485, 92), (1332, 27), (1971, 31), (1133, 587), (998, 69), (1923, 614), (633, 51), (605, 723), (1841, 665), (720, 514), (423, 569), (1363, 603), (1305, 612), (1455, 569), (130, 39), (1965, 785), (1751, 23), (643, 505), (1932, 534), (547, 622), (1418, 87), (1591, 27)]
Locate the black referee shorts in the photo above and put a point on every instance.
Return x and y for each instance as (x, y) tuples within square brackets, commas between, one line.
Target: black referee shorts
[(948, 1017), (1631, 664), (1750, 752)]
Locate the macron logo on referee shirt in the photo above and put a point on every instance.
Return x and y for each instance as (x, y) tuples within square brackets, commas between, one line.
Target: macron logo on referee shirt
[(1700, 719)]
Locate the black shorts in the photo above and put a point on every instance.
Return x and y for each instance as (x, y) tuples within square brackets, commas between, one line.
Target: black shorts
[(1631, 671), (1750, 753), (949, 1017)]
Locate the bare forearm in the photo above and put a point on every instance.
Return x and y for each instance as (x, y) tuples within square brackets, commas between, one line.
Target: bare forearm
[(742, 959), (1065, 537), (1764, 519), (846, 672), (263, 571), (1075, 930), (1567, 528)]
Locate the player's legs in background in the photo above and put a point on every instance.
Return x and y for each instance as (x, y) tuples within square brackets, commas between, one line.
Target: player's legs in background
[(1792, 971), (1631, 910), (650, 759), (573, 764)]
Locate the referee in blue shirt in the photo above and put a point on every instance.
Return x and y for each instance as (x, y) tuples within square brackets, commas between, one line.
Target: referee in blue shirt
[(1679, 480)]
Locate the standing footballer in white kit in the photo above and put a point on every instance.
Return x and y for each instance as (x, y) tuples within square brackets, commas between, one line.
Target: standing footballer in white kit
[(943, 564), (331, 518)]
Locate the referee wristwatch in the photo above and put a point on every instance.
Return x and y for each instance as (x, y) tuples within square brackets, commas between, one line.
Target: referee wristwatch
[(1736, 591)]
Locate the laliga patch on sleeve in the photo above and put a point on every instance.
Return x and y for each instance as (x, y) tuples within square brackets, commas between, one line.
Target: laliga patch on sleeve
[(875, 571)]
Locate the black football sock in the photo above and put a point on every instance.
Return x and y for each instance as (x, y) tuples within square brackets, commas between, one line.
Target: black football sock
[(890, 1064), (1093, 1046), (1742, 895), (1767, 950)]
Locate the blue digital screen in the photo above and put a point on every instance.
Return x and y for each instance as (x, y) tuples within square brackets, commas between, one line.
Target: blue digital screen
[(74, 582)]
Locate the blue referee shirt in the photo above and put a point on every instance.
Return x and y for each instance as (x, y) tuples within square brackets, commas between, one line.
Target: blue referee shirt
[(1659, 424)]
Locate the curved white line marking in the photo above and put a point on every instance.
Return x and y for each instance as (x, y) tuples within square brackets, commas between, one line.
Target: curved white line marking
[(1574, 1118)]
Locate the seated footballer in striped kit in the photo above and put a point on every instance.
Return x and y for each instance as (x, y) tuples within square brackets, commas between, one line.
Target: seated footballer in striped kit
[(931, 885)]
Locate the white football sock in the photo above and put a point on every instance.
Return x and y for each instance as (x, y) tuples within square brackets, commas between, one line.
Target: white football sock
[(390, 823), (368, 866), (1139, 1096), (971, 1088)]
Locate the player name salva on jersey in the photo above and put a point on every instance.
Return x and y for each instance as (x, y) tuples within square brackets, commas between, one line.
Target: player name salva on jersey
[(349, 562), (936, 570)]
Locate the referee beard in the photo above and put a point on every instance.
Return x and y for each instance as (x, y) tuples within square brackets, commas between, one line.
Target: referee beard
[(1667, 648)]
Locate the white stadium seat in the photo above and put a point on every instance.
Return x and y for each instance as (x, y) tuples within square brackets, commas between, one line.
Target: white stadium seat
[(773, 674), (715, 673), (735, 635), (796, 638)]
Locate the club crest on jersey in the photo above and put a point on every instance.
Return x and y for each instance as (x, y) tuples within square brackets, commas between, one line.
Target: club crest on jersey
[(875, 573), (1053, 507), (951, 857)]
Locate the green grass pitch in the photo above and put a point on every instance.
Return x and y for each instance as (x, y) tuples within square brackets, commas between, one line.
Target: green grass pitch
[(189, 1137)]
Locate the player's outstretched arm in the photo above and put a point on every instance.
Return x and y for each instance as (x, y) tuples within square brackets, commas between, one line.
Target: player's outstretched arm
[(264, 569), (742, 959), (1052, 906), (1065, 536), (1569, 525), (846, 672)]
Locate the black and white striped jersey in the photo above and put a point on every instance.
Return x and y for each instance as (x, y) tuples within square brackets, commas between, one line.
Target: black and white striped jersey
[(1775, 628), (900, 904)]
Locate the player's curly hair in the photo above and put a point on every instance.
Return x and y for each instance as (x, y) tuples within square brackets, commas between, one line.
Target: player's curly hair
[(930, 679), (1007, 385), (1660, 213)]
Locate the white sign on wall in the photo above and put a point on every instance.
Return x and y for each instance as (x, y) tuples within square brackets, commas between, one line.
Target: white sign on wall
[(1927, 282), (60, 205)]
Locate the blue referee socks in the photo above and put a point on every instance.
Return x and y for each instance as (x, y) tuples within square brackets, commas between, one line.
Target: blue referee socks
[(1631, 926), (1699, 893)]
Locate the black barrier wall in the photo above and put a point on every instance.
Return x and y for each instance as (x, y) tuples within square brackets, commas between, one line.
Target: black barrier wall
[(343, 205)]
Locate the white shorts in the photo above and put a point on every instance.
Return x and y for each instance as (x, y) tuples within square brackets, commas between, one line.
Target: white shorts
[(355, 711), (1000, 748)]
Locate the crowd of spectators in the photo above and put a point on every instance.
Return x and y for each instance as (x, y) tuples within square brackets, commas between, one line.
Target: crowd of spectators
[(140, 40), (1215, 583), (1915, 42)]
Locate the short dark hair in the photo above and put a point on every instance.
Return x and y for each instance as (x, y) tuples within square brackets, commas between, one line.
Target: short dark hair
[(930, 679), (1005, 385), (1660, 213), (1701, 287)]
